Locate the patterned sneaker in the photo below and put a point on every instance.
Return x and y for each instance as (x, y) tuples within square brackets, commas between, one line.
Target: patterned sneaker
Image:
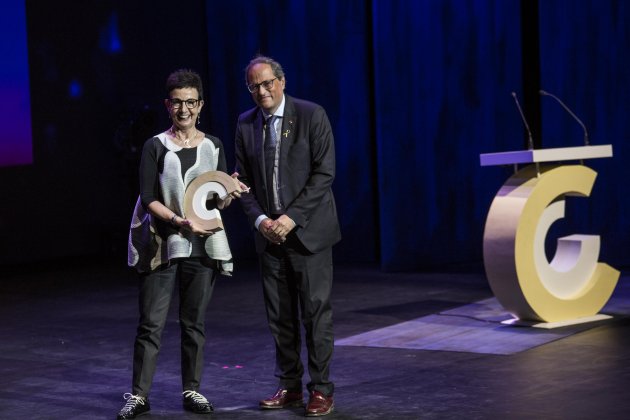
[(135, 406), (197, 403)]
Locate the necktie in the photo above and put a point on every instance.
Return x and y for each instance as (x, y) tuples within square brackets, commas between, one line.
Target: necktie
[(271, 140)]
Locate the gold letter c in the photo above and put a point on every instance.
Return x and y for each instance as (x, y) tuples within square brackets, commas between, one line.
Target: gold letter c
[(574, 284)]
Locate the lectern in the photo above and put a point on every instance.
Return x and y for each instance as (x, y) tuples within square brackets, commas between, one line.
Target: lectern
[(572, 287)]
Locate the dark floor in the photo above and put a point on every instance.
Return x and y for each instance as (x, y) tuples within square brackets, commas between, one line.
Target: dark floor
[(66, 338)]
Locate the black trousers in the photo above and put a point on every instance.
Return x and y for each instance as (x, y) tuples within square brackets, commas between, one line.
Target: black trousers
[(196, 282), (296, 287)]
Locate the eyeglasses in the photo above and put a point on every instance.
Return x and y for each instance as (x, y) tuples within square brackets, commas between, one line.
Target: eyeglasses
[(267, 84), (177, 103)]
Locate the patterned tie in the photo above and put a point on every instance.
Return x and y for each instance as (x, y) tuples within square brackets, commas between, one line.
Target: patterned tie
[(271, 140)]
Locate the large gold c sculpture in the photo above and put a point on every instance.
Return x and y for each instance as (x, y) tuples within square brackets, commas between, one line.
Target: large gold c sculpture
[(574, 284)]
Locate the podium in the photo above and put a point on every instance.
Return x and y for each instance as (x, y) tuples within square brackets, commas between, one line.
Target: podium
[(572, 287)]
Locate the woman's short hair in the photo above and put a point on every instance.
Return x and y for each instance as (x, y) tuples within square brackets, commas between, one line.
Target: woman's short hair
[(184, 78)]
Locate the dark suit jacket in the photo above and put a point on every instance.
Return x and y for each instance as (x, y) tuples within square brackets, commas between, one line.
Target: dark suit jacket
[(306, 172)]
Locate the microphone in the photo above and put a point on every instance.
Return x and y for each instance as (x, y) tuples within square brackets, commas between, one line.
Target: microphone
[(544, 93), (529, 132)]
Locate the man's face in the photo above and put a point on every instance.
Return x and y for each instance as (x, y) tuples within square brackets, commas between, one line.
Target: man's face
[(267, 89)]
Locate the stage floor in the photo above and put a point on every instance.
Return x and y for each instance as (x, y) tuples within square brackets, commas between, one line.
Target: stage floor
[(408, 346)]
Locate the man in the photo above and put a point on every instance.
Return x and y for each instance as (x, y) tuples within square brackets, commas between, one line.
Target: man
[(285, 153)]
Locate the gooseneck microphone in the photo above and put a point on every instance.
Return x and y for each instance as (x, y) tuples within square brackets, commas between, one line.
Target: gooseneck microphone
[(544, 93), (529, 132)]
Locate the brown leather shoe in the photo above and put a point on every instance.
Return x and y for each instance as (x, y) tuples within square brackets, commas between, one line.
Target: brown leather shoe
[(283, 398), (319, 405)]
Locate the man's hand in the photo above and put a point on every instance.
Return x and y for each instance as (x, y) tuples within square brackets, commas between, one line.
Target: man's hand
[(241, 188), (282, 226), (266, 229)]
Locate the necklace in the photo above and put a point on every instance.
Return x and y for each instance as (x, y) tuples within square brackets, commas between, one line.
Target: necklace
[(186, 142)]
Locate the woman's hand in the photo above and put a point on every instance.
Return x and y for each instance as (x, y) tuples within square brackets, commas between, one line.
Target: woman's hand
[(192, 227)]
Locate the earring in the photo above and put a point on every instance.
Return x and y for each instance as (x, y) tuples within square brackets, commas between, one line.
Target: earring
[(198, 119)]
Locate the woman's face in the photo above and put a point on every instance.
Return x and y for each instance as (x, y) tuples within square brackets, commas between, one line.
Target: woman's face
[(184, 107)]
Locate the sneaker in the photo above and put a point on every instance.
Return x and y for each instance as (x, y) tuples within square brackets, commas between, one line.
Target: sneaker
[(197, 403), (134, 407)]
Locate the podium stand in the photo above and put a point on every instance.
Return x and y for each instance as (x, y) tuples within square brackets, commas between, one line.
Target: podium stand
[(572, 287)]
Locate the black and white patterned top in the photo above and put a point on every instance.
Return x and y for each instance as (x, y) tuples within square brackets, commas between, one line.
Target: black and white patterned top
[(166, 169)]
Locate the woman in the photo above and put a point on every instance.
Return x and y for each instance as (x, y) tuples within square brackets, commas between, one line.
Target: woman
[(166, 248)]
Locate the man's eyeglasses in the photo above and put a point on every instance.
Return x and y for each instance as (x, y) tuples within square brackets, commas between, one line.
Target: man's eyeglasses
[(267, 84), (177, 103)]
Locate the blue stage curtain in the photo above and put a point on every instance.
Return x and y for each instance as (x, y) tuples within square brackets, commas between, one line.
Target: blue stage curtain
[(584, 61), (444, 73), (416, 90)]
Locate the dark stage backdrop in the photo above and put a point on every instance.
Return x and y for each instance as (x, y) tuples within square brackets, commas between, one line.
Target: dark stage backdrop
[(584, 61), (415, 91), (443, 76), (97, 72)]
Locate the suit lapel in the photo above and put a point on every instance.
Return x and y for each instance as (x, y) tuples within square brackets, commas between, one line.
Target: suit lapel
[(289, 128), (287, 139)]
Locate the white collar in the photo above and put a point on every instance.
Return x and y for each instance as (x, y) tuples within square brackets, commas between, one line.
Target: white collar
[(279, 112)]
